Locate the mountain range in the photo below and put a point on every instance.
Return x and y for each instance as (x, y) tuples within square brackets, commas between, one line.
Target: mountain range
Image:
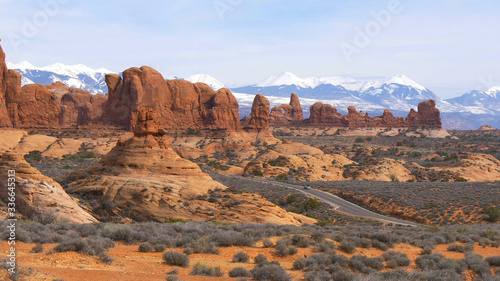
[(399, 93)]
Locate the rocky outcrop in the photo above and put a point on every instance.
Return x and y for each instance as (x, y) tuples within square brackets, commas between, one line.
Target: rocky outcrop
[(287, 114), (179, 104), (144, 174), (326, 115), (32, 105), (486, 128), (4, 115), (77, 105), (38, 196), (259, 117)]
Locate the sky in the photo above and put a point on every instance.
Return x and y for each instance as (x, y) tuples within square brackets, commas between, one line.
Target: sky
[(448, 46)]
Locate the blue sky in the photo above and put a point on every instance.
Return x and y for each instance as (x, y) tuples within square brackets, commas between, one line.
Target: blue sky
[(448, 46)]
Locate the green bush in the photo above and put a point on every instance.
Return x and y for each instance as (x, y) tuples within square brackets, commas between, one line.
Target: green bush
[(281, 177), (493, 213), (311, 204), (257, 173)]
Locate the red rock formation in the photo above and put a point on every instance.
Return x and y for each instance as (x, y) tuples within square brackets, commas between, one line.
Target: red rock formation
[(259, 117), (4, 115), (178, 103), (31, 105), (286, 114), (78, 107), (326, 115), (427, 115)]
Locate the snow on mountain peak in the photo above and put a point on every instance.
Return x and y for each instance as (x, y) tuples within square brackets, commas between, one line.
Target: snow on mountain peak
[(207, 79), (401, 79), (21, 66), (285, 78), (493, 91)]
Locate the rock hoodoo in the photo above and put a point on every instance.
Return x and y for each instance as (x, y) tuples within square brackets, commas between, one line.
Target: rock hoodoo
[(286, 114), (178, 103), (144, 174), (259, 117), (38, 195)]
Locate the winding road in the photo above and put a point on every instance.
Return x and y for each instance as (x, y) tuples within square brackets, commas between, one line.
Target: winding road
[(336, 202)]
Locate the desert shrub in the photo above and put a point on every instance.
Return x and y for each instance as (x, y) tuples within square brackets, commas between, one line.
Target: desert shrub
[(340, 260), (107, 259), (257, 173), (93, 246), (172, 278), (438, 275), (439, 262), (326, 247), (260, 258), (188, 251), (281, 177), (317, 276), (231, 238), (398, 274), (343, 275), (493, 261), (282, 250), (176, 258), (241, 257), (239, 272), (299, 264), (38, 248), (396, 259), (267, 243), (160, 247), (493, 213), (205, 270), (479, 267), (365, 264), (269, 272), (461, 248), (311, 204), (145, 247), (347, 246), (300, 241), (380, 245)]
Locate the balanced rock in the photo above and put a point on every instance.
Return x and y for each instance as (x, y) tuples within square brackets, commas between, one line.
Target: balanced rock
[(38, 195), (143, 174)]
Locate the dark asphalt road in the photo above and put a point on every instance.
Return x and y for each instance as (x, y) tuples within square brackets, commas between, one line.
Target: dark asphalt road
[(336, 202)]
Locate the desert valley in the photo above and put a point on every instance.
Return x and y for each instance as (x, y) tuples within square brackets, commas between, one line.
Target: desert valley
[(165, 180)]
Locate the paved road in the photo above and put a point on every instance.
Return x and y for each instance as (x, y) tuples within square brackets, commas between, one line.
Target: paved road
[(336, 202)]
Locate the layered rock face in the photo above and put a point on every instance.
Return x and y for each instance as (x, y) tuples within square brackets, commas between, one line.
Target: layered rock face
[(4, 116), (38, 195), (77, 105), (259, 117), (144, 174), (287, 114), (178, 103), (326, 115)]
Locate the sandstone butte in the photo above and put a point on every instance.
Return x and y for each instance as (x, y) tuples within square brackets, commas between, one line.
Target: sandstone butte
[(38, 195)]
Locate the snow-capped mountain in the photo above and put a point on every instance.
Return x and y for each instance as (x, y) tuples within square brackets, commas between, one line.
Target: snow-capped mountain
[(79, 76), (481, 102), (207, 79)]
